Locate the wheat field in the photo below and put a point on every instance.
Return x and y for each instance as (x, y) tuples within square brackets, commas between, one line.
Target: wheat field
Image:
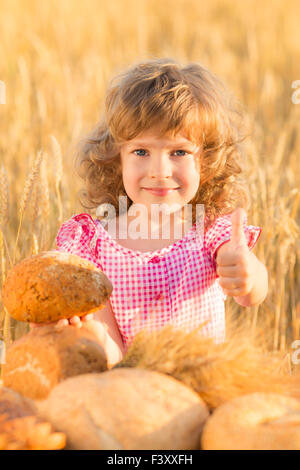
[(56, 60)]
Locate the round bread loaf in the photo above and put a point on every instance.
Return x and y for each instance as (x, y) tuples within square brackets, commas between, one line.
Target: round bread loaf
[(258, 421), (21, 428), (39, 360), (132, 409), (54, 285)]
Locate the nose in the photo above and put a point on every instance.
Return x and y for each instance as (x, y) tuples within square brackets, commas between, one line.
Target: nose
[(160, 167)]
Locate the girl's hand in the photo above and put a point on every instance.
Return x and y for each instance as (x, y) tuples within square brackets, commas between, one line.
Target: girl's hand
[(75, 321), (236, 265)]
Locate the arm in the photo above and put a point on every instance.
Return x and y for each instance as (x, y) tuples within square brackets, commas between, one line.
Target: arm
[(111, 338), (103, 325)]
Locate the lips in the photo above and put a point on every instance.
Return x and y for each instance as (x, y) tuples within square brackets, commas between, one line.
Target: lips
[(160, 191)]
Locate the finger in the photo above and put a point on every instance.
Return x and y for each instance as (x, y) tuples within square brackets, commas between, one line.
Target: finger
[(233, 258), (237, 229), (226, 271), (75, 321), (61, 323), (239, 288), (230, 283), (87, 317), (237, 292)]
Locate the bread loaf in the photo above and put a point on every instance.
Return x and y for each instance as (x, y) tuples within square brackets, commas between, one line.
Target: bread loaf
[(54, 285), (257, 421), (126, 409), (39, 360), (21, 428)]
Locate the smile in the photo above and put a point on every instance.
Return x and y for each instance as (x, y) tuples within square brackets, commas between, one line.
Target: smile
[(160, 192)]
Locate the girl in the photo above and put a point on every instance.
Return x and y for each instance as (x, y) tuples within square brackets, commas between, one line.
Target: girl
[(170, 138)]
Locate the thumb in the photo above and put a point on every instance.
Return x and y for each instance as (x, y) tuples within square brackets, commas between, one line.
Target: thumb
[(237, 231)]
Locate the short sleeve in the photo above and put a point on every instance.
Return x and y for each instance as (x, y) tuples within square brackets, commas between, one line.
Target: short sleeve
[(78, 236), (220, 232)]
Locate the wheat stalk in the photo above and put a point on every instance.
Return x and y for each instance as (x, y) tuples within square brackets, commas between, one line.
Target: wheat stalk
[(34, 245), (4, 207), (29, 184), (40, 206), (3, 238), (34, 216), (35, 207), (4, 197), (45, 201), (56, 150)]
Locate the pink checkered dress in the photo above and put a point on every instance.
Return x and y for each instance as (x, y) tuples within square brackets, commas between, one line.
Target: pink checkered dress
[(177, 284)]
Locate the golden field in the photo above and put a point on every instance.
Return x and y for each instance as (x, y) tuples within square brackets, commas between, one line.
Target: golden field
[(56, 60)]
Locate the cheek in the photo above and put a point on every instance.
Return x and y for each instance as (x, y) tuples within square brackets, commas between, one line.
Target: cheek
[(129, 173), (131, 180), (191, 177)]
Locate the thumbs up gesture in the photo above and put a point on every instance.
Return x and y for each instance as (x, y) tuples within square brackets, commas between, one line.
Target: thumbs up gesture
[(235, 263)]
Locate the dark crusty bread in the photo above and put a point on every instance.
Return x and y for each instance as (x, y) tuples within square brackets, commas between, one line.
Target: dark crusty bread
[(39, 360), (54, 285), (21, 428)]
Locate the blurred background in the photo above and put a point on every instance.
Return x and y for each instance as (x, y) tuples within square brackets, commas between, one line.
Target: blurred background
[(56, 60)]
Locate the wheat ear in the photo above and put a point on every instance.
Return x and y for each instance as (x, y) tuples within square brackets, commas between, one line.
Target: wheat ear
[(4, 207), (29, 184)]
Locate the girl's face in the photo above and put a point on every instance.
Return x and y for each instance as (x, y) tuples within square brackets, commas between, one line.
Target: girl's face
[(149, 161)]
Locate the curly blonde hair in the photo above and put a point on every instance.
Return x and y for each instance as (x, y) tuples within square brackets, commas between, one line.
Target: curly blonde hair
[(178, 98)]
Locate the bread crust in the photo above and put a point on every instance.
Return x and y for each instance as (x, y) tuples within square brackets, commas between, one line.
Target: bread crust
[(39, 360), (127, 409), (54, 285), (21, 428), (257, 421)]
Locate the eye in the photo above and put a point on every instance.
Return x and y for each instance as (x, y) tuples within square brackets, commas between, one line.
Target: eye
[(182, 151), (143, 150), (139, 150)]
